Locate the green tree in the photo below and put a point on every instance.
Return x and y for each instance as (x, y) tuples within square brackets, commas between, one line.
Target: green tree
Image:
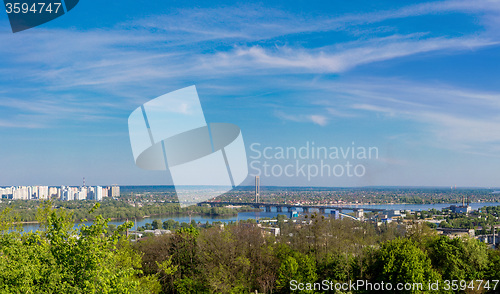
[(61, 259), (298, 267), (402, 261), (184, 250), (458, 258), (493, 271), (170, 224), (336, 267), (156, 224)]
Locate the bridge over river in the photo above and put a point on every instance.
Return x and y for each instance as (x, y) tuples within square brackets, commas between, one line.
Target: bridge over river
[(280, 207)]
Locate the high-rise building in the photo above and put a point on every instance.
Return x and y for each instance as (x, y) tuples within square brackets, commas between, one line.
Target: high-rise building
[(98, 193), (257, 189), (65, 193), (43, 192), (61, 193), (105, 192), (53, 192), (82, 194), (6, 192), (20, 193), (90, 193), (68, 193), (115, 191), (32, 192)]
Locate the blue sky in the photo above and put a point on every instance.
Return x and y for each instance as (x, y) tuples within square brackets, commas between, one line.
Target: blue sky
[(418, 80)]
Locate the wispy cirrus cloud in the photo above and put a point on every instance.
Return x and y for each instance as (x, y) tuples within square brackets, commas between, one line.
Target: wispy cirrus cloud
[(164, 46), (461, 119), (318, 119), (449, 131), (253, 22), (332, 60), (334, 72), (125, 64)]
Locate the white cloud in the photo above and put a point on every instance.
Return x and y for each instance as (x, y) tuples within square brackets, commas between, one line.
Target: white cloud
[(21, 124), (133, 52), (374, 108), (132, 62), (318, 119), (337, 113), (330, 60), (455, 118)]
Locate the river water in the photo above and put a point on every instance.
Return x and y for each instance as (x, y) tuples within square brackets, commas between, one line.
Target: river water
[(274, 213)]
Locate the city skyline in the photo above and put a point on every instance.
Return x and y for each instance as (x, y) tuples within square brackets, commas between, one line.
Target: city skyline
[(415, 80), (64, 193)]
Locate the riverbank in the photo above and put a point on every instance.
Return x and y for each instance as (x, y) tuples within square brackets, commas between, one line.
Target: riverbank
[(253, 215)]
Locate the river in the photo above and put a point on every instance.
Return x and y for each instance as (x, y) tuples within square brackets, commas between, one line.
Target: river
[(274, 213)]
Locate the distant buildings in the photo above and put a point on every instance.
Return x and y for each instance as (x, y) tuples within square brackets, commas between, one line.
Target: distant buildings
[(492, 239), (393, 213), (64, 193), (68, 193), (454, 232), (115, 191), (335, 214), (25, 192), (54, 192), (386, 220), (105, 192), (460, 209), (360, 214), (22, 193), (98, 193), (270, 230)]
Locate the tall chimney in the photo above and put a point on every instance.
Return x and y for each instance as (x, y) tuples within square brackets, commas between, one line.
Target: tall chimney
[(257, 189)]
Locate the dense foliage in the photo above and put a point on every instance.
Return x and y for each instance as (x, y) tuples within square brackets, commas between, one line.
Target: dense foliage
[(236, 258), (26, 210), (482, 220), (60, 259), (239, 258), (366, 195)]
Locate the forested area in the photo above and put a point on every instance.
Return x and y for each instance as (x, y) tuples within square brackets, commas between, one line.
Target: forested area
[(365, 195), (236, 258), (486, 218), (26, 210), (60, 259), (240, 259)]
